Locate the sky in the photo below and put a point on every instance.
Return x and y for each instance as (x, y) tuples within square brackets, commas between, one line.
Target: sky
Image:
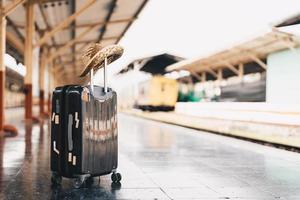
[(196, 28)]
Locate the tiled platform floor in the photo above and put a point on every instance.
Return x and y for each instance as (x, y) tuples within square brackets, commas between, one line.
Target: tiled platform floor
[(157, 161)]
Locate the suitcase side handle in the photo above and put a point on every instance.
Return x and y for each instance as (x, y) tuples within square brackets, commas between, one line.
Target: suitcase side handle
[(70, 125)]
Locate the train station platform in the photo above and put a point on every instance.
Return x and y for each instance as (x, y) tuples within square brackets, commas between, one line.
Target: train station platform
[(157, 161), (263, 122)]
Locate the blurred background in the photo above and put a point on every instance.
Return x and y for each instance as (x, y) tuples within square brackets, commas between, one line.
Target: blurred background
[(201, 84), (230, 60)]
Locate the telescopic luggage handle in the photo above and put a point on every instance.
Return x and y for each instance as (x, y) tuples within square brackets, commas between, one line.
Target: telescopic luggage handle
[(96, 57), (104, 77)]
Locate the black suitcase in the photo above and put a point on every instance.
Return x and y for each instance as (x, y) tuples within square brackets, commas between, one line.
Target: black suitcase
[(84, 133)]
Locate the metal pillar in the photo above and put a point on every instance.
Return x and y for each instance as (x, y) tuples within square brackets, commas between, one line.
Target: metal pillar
[(28, 57)]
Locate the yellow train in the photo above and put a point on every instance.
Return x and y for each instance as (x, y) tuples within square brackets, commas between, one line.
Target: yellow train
[(157, 94)]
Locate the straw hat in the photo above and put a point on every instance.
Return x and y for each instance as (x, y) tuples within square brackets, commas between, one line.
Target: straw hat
[(95, 55)]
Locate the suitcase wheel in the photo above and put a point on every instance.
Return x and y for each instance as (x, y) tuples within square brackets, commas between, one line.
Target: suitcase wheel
[(116, 177), (56, 179), (78, 182)]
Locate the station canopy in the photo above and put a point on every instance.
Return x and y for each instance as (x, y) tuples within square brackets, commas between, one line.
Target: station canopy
[(251, 54), (68, 27), (294, 20), (155, 65)]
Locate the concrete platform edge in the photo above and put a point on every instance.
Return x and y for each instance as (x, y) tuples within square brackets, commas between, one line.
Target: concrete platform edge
[(276, 134)]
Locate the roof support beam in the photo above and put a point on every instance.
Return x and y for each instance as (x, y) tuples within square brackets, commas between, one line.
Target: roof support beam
[(65, 22), (212, 72), (258, 61), (16, 42), (88, 41), (197, 76), (83, 47), (71, 42), (86, 24), (291, 44), (15, 28), (232, 68), (113, 5), (78, 42), (102, 23), (48, 27), (289, 40), (12, 6)]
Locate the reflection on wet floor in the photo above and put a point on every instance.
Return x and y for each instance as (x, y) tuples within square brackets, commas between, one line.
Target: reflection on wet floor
[(157, 161)]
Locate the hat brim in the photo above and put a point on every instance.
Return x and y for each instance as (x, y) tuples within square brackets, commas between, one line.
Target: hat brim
[(112, 53)]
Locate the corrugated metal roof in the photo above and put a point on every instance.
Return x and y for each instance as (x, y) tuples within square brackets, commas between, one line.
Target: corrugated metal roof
[(110, 19), (154, 64)]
